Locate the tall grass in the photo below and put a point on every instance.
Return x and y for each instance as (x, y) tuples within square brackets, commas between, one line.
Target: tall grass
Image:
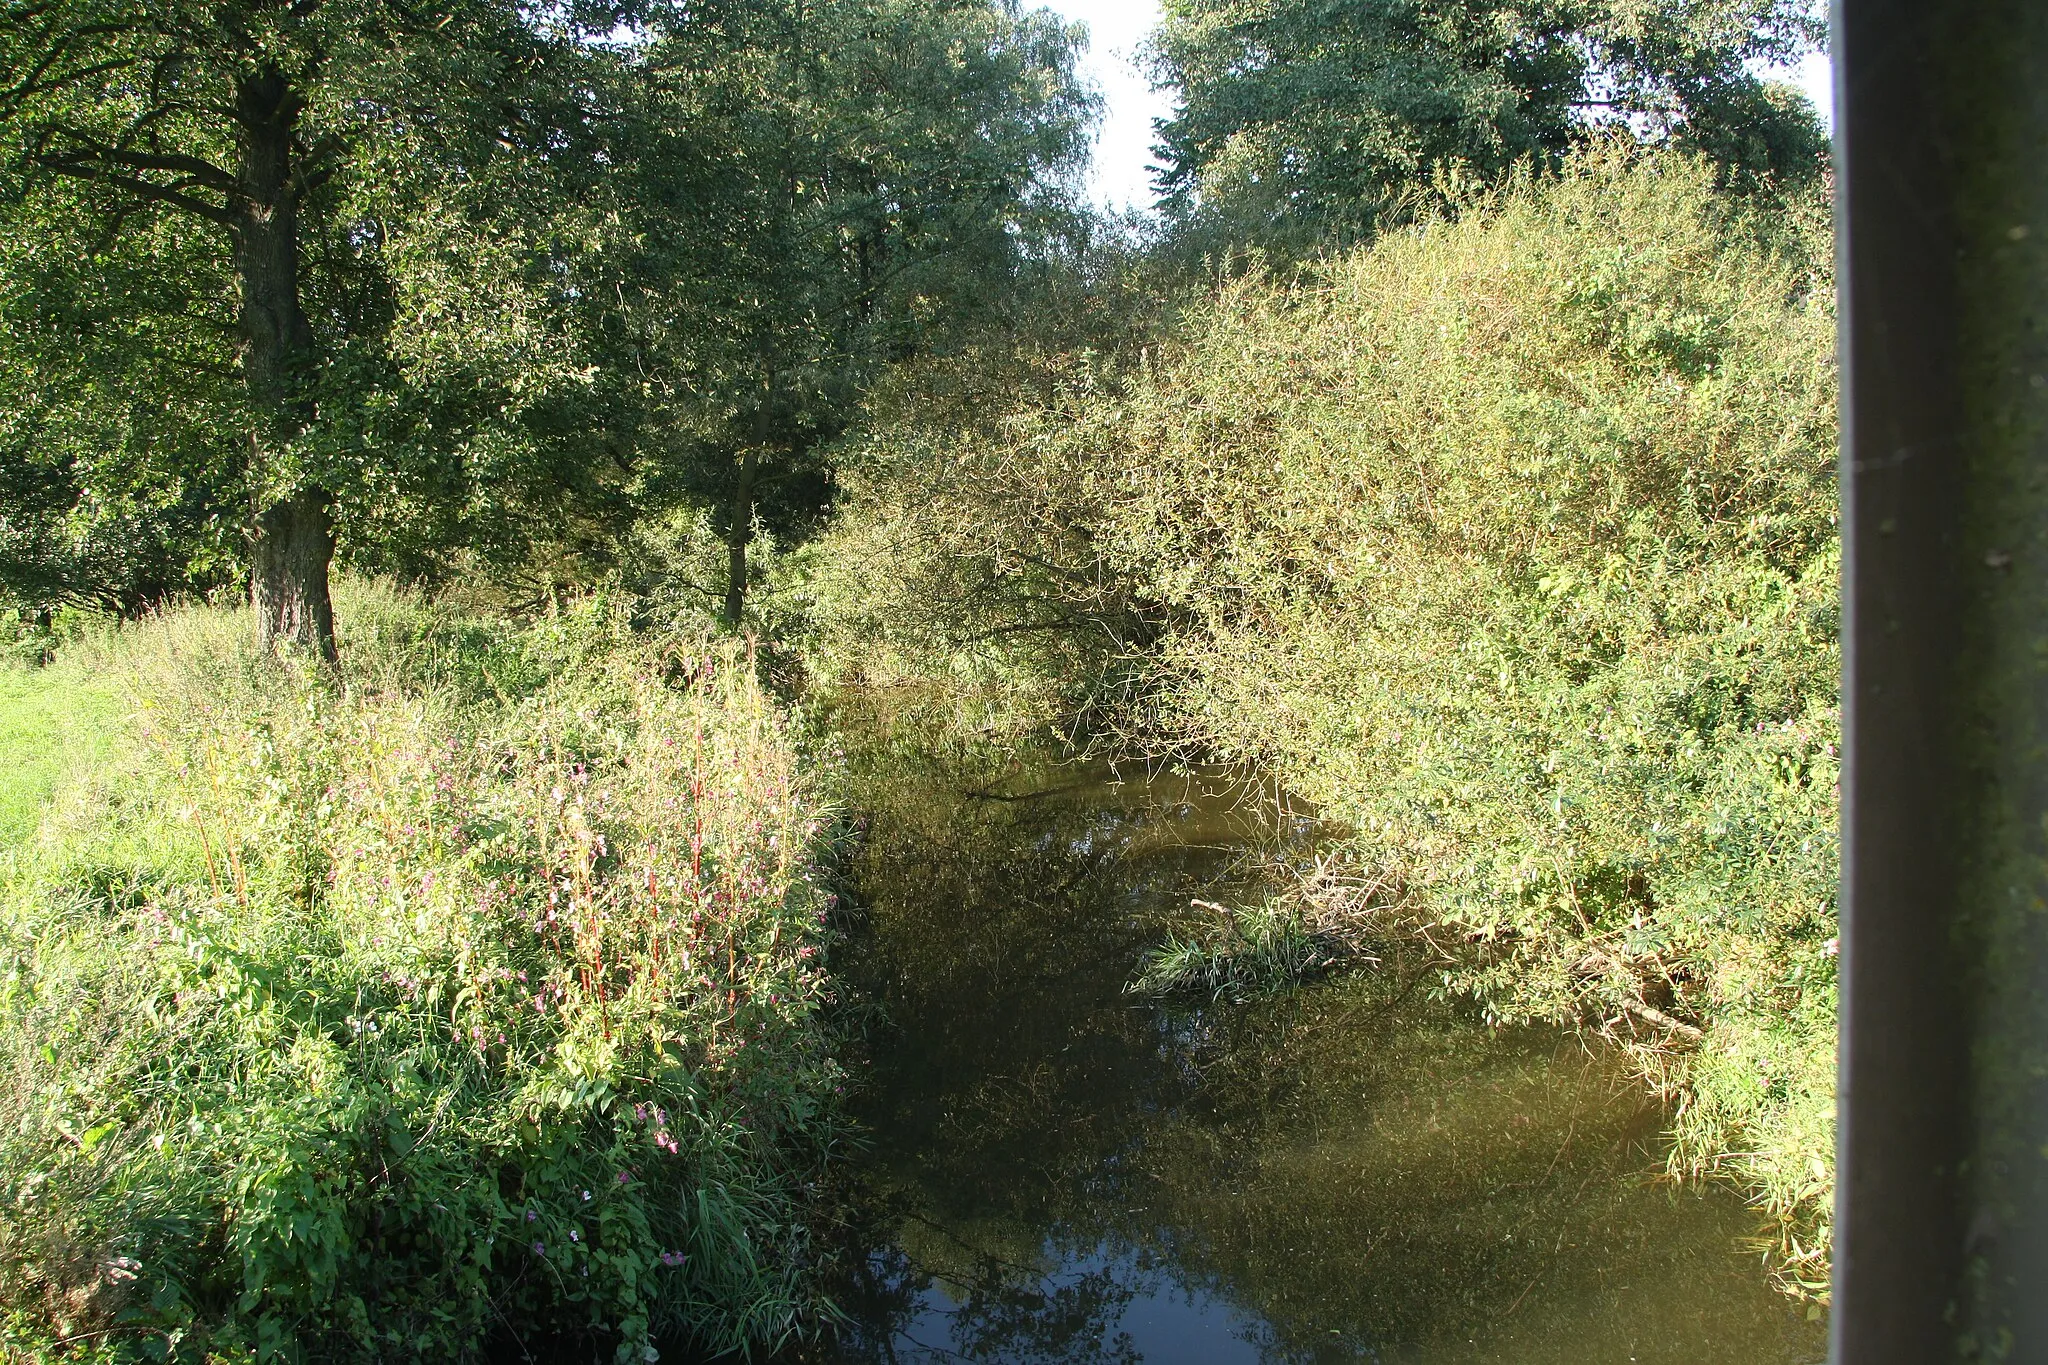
[(467, 995)]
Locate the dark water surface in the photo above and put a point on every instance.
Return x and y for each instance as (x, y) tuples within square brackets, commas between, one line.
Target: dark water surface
[(1061, 1172)]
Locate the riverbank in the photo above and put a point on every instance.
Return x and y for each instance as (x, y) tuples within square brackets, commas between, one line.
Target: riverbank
[(465, 997), (1510, 541), (473, 998)]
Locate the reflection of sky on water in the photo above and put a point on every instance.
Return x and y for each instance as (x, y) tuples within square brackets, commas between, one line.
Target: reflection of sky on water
[(1101, 1305), (1062, 1173)]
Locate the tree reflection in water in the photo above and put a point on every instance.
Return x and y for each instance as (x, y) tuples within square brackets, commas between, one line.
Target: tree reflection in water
[(1060, 1172)]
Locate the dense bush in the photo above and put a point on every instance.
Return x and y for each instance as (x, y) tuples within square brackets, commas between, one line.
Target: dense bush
[(1511, 541), (964, 571), (469, 993)]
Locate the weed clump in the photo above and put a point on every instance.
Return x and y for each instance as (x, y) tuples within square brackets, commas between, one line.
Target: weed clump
[(1249, 950), (470, 992), (1306, 918)]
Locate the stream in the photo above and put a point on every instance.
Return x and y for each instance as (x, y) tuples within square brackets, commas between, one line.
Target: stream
[(1352, 1170)]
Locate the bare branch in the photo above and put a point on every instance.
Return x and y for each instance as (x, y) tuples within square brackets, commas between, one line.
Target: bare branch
[(34, 84), (194, 170), (87, 167)]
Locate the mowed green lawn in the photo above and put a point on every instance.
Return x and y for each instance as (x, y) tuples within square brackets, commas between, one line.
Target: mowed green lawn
[(48, 722)]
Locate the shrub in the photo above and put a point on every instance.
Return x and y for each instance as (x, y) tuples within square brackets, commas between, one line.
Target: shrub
[(1510, 542), (965, 571), (469, 992)]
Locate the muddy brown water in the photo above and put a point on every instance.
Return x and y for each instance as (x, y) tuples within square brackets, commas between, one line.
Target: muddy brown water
[(1353, 1170)]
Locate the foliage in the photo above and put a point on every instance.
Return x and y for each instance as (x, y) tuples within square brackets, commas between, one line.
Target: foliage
[(971, 585), (1510, 543), (252, 249), (1299, 119), (553, 270), (111, 481), (468, 994), (1253, 947), (818, 190), (963, 569), (1293, 917)]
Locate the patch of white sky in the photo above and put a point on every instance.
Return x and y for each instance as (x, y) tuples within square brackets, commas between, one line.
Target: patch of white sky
[(1120, 174)]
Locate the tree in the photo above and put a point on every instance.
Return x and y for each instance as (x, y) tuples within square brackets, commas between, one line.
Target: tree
[(1299, 119), (111, 361), (824, 187), (213, 210)]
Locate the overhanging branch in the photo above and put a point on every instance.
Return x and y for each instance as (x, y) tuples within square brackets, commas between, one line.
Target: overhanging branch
[(86, 166)]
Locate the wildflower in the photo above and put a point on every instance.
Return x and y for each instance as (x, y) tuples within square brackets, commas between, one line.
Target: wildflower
[(574, 1235), (586, 1196), (539, 1250), (622, 1177), (673, 1258), (531, 1216)]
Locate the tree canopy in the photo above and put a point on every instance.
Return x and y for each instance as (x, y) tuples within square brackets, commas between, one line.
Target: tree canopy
[(247, 235), (1300, 119), (824, 188), (459, 278), (478, 283)]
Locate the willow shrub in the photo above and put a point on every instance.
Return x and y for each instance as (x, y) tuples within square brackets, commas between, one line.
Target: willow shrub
[(965, 573), (468, 995), (1511, 541)]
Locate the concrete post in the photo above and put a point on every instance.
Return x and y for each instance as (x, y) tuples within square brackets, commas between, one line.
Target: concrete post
[(1942, 1206)]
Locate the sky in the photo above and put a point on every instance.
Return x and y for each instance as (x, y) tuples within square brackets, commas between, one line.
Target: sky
[(1120, 176)]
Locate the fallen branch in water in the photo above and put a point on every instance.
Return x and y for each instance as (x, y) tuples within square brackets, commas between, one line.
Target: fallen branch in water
[(1652, 1015), (1649, 1014)]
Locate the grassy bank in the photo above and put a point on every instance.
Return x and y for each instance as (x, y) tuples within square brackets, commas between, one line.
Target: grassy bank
[(45, 732), (466, 995), (1510, 542)]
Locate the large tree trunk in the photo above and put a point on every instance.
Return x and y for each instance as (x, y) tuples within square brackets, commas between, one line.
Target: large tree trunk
[(738, 533), (291, 534), (290, 552)]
